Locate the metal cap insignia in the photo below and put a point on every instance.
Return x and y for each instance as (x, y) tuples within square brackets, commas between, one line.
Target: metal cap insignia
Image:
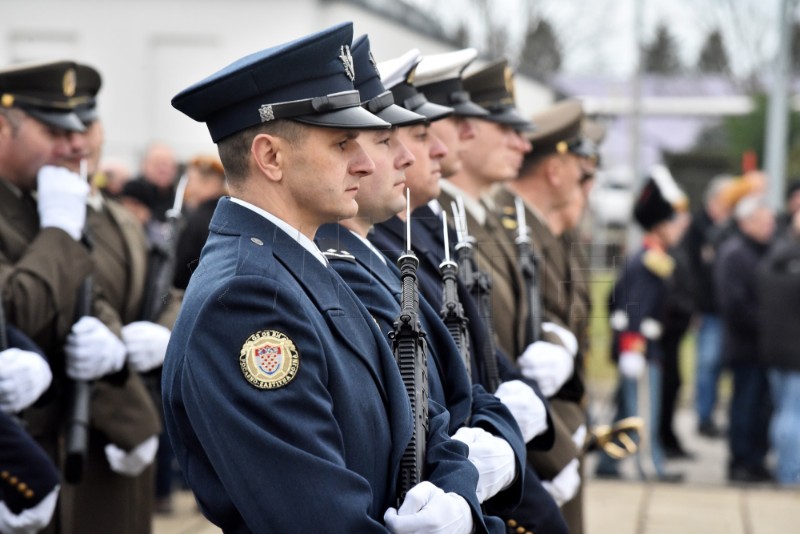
[(69, 83), (347, 61)]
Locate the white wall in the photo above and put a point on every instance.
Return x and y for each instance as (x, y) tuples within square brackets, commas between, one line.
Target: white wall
[(148, 50)]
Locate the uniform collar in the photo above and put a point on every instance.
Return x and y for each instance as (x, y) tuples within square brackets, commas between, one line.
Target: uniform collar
[(474, 207)]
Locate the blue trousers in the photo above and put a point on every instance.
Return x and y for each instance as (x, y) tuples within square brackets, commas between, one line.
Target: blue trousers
[(785, 424), (708, 366), (750, 413)]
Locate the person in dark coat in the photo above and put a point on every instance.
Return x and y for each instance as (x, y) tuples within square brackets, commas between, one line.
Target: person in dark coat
[(735, 284), (779, 313), (282, 399)]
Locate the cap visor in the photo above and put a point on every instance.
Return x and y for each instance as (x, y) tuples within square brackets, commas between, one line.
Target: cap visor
[(469, 109), (397, 116), (511, 117), (433, 112), (348, 118), (64, 121)]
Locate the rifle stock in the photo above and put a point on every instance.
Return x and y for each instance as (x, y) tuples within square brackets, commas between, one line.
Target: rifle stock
[(528, 264)]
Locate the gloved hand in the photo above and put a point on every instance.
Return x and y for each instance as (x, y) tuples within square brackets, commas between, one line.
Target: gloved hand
[(24, 376), (146, 344), (565, 485), (431, 510), (568, 339), (579, 437), (632, 364), (493, 457), (547, 363), (31, 519), (62, 198), (93, 350), (134, 462), (527, 409)]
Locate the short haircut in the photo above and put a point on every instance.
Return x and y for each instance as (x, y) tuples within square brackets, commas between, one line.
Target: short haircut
[(747, 206), (715, 187), (13, 116), (234, 150)]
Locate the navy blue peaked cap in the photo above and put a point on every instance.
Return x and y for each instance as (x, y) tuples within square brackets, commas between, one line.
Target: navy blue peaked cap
[(375, 97), (308, 80)]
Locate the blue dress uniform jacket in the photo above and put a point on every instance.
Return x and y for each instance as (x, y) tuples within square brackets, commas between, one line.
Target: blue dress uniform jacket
[(378, 286), (538, 511), (318, 451)]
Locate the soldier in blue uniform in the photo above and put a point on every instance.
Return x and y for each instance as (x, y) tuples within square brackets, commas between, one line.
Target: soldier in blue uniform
[(476, 417), (29, 481), (636, 307), (282, 398)]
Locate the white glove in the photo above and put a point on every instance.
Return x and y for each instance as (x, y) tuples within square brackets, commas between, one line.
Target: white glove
[(493, 457), (93, 350), (24, 376), (567, 338), (61, 200), (146, 343), (547, 363), (579, 437), (565, 484), (527, 409), (427, 508), (29, 520), (632, 364), (134, 462)]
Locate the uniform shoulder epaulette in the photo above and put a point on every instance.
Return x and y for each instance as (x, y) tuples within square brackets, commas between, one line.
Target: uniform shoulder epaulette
[(332, 254), (659, 263), (509, 218)]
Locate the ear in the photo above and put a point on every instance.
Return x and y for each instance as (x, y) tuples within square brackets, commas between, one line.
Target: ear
[(553, 169), (268, 155)]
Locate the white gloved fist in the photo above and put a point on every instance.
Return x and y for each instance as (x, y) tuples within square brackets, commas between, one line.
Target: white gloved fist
[(134, 462), (565, 485), (24, 376), (29, 520), (632, 364), (61, 200), (527, 409), (567, 338), (146, 344), (93, 350), (427, 508), (493, 457), (547, 363)]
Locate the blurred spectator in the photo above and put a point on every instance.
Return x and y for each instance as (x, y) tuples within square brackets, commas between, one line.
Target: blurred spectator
[(779, 315), (112, 177), (152, 193), (205, 186), (783, 222), (707, 229), (735, 284)]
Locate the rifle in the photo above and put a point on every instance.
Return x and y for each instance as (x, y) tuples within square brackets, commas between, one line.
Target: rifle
[(161, 260), (408, 345), (528, 265), (77, 433), (452, 312), (480, 287)]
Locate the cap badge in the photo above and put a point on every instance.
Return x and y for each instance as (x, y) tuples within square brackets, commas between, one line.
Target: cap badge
[(266, 114), (269, 359), (508, 74), (347, 61), (69, 83), (374, 64), (7, 100)]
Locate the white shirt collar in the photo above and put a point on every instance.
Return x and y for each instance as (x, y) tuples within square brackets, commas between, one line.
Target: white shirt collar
[(370, 246), (293, 232), (435, 207), (474, 207)]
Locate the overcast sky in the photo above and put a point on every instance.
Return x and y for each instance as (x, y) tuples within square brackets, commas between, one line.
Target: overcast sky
[(599, 35)]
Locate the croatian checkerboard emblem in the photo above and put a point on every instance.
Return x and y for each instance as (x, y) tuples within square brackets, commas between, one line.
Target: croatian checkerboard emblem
[(347, 60), (269, 359)]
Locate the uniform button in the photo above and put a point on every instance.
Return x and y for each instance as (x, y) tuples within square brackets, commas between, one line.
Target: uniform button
[(22, 487), (521, 530), (13, 480), (4, 474), (257, 241), (512, 523), (29, 494)]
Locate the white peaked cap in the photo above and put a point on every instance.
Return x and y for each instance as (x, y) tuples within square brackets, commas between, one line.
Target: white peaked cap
[(395, 71), (438, 67)]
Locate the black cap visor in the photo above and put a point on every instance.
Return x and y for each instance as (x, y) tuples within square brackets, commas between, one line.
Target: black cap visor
[(64, 120), (347, 118), (509, 116), (384, 107)]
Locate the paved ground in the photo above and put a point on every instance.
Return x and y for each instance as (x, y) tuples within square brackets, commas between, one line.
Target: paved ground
[(704, 503)]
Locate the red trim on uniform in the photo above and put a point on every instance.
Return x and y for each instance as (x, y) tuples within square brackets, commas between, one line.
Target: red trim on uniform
[(632, 342)]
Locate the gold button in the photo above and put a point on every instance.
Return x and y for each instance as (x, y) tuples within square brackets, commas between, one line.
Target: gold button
[(29, 494), (4, 474), (22, 486), (512, 523), (12, 480), (521, 530)]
